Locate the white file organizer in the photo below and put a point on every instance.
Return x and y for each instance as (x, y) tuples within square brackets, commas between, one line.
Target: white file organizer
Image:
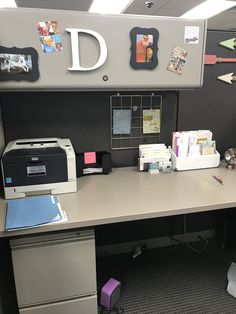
[(195, 162)]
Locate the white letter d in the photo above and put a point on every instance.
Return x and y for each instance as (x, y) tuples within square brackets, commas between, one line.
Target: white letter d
[(75, 49)]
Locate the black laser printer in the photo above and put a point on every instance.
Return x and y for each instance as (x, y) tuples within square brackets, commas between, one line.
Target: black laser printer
[(37, 166)]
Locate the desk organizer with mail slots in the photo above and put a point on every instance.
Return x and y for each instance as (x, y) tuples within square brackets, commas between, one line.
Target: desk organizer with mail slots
[(94, 163), (55, 274), (195, 162)]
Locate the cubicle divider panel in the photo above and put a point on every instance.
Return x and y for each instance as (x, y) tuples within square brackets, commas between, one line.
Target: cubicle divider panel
[(84, 117)]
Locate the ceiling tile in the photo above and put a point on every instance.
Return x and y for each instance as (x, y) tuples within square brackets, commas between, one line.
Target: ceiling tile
[(225, 20), (76, 5), (162, 7)]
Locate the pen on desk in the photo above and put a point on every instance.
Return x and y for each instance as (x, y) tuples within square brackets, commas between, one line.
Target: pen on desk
[(218, 179)]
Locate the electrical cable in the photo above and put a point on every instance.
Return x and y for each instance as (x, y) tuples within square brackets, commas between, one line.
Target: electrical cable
[(186, 242)]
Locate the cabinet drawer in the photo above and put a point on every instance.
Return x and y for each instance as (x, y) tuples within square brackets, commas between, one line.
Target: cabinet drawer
[(49, 271), (86, 305)]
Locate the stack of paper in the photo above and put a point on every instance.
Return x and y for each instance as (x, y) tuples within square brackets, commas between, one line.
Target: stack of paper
[(33, 211), (193, 143), (157, 155), (159, 151)]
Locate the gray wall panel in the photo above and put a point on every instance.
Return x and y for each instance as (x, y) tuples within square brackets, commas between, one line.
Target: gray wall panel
[(115, 29)]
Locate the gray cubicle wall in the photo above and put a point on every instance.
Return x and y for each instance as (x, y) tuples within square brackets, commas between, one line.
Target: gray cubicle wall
[(213, 106), (54, 67)]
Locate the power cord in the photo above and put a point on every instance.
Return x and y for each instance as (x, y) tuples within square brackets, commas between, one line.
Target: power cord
[(186, 242)]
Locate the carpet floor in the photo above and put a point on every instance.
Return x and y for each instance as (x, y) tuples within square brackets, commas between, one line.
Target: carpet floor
[(171, 280)]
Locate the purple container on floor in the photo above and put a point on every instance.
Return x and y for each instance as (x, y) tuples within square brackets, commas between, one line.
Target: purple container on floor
[(110, 293)]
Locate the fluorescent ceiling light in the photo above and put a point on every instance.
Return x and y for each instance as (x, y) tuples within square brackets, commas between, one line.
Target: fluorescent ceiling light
[(109, 6), (8, 4), (208, 9)]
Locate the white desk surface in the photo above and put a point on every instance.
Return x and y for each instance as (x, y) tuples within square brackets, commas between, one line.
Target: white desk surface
[(126, 194)]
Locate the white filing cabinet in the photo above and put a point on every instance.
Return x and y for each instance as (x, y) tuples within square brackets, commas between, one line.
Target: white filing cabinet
[(56, 273)]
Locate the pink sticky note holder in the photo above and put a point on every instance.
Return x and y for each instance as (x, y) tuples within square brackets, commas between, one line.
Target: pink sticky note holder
[(89, 158)]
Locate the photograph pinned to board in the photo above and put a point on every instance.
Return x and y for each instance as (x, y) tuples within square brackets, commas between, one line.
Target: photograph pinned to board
[(151, 121), (50, 37), (144, 48), (177, 60), (18, 64), (121, 121)]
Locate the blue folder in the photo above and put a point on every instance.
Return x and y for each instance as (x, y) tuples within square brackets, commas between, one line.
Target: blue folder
[(32, 211)]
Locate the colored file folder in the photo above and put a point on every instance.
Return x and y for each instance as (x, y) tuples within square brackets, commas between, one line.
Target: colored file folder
[(32, 211)]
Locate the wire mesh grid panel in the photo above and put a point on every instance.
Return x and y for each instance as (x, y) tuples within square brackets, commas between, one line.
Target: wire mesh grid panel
[(135, 120)]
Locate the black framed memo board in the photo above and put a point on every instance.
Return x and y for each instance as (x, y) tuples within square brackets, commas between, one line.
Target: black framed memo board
[(135, 120)]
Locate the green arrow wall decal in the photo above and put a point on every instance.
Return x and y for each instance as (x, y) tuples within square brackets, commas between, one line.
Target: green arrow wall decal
[(230, 43)]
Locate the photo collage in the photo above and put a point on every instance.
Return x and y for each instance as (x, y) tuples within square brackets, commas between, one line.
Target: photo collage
[(50, 37)]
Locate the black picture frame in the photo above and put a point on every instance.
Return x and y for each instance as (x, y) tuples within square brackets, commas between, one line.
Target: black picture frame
[(137, 59), (18, 64)]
